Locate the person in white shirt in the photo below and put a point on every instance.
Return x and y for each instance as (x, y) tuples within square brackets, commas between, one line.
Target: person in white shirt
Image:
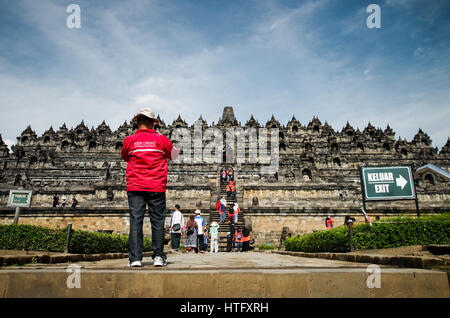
[(201, 227), (176, 227), (236, 212)]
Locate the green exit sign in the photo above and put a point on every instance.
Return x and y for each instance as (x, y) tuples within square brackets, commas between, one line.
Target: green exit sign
[(387, 183), (19, 198)]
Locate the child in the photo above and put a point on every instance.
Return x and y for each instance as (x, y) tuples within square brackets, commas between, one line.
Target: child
[(214, 235), (205, 241), (239, 239)]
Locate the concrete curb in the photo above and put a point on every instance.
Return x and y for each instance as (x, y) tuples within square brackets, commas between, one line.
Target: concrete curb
[(424, 262), (61, 258)]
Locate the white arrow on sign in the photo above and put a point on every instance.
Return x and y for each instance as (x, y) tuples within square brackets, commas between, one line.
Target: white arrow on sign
[(401, 182)]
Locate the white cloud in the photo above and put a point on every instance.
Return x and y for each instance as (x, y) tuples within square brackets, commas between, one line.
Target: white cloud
[(10, 143), (116, 64)]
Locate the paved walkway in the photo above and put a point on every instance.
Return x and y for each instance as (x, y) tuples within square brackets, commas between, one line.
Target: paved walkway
[(223, 275), (214, 261)]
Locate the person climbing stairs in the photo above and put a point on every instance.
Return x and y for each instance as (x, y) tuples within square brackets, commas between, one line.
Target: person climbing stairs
[(231, 199)]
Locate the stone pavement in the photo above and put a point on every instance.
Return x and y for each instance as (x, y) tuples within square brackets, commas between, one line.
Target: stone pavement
[(217, 261), (223, 275)]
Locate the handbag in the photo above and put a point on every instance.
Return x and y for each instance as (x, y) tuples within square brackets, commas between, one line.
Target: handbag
[(176, 227)]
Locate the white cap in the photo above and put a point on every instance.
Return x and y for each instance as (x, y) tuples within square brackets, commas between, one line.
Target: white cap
[(197, 212), (147, 112)]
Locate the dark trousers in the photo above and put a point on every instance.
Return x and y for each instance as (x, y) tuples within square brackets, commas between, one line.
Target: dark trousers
[(156, 201), (200, 245), (175, 239)]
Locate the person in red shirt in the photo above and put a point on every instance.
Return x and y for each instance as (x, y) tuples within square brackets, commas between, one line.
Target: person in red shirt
[(146, 153), (330, 222), (218, 205)]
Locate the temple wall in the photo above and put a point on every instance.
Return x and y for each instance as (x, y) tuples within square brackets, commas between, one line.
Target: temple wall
[(333, 199), (188, 198), (317, 174), (119, 224)]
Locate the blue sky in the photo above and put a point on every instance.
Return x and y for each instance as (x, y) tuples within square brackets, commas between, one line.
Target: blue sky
[(302, 58)]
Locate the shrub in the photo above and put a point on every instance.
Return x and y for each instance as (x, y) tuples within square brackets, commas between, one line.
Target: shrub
[(266, 247), (335, 240), (38, 238), (32, 238), (391, 232)]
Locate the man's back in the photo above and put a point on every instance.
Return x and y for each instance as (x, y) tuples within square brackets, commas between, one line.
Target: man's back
[(146, 153), (177, 217), (200, 222)]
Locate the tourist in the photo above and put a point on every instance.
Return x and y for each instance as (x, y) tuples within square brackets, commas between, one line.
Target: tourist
[(230, 174), (231, 191), (229, 241), (349, 220), (223, 206), (55, 201), (218, 205), (214, 237), (236, 210), (176, 226), (330, 222), (201, 227), (205, 240), (223, 175), (191, 234), (239, 239), (246, 240), (146, 153), (231, 214), (74, 202), (232, 236), (64, 199)]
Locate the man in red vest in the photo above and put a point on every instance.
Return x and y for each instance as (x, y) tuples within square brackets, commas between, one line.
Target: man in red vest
[(146, 153)]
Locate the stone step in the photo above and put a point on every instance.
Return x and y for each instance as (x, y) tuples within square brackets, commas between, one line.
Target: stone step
[(225, 227)]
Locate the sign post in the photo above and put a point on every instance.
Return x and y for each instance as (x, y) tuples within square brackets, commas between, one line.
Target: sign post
[(388, 184), (19, 199)]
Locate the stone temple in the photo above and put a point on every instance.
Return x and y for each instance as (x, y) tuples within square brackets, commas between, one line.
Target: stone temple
[(317, 175)]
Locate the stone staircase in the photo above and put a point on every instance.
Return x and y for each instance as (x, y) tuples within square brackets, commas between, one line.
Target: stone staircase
[(224, 228)]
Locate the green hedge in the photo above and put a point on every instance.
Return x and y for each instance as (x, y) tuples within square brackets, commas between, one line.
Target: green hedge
[(38, 238), (266, 247), (399, 231)]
